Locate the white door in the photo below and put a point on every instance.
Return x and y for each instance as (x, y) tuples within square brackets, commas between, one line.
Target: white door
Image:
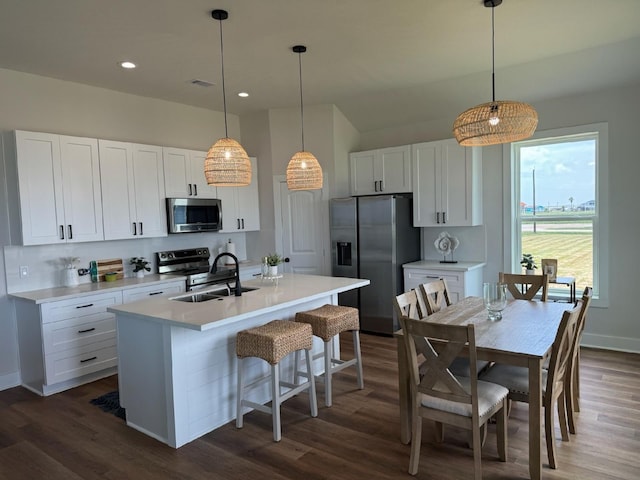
[(303, 222)]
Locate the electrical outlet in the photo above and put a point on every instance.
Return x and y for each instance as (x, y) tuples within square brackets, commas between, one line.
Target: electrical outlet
[(24, 271)]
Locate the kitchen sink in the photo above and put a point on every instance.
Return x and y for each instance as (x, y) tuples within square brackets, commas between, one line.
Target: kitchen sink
[(211, 295), (200, 297)]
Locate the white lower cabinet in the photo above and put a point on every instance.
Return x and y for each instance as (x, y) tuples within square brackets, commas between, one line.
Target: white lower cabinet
[(66, 343), (463, 280)]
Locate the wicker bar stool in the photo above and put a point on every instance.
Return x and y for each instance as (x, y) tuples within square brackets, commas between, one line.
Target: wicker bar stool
[(272, 342), (327, 322)]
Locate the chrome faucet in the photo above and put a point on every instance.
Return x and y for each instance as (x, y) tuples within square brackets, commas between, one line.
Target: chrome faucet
[(214, 269)]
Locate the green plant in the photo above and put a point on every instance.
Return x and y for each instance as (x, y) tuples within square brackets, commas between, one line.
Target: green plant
[(273, 259), (528, 262), (139, 263)]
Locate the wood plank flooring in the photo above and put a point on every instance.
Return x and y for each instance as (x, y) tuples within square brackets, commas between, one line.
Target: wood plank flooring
[(65, 437)]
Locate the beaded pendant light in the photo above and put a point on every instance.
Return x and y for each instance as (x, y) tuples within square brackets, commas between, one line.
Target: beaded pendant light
[(304, 171), (227, 163), (495, 122)]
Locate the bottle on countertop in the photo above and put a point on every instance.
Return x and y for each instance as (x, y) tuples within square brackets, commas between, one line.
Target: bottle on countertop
[(93, 270)]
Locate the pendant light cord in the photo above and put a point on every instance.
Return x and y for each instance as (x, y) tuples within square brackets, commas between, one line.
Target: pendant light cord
[(493, 55), (301, 103), (224, 93)]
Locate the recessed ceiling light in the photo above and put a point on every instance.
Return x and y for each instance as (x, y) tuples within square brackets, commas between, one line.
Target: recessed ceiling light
[(127, 65), (243, 94)]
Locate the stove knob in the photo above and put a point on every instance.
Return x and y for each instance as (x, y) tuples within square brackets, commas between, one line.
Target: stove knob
[(163, 255), (171, 255)]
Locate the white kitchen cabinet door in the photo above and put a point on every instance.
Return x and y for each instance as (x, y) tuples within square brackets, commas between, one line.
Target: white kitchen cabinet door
[(132, 178), (240, 205), (386, 170), (59, 188), (447, 184), (184, 174), (148, 174)]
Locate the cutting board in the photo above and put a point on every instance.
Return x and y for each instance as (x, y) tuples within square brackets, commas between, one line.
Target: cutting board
[(110, 265)]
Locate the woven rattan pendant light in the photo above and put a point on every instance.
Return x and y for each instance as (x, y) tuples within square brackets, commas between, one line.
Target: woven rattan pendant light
[(227, 164), (304, 171), (495, 122)]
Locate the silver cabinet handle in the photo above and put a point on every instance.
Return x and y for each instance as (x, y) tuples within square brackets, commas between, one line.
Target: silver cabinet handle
[(381, 187), (195, 189), (70, 230), (141, 233), (61, 232), (238, 220), (190, 191), (135, 230), (243, 224)]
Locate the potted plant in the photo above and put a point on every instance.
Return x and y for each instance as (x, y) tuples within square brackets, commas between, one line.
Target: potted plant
[(528, 263), (273, 260), (139, 266)]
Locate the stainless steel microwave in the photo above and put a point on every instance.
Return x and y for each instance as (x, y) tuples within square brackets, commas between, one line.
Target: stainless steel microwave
[(188, 215)]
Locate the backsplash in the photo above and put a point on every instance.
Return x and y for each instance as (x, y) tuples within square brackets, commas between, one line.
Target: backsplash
[(45, 262), (472, 248)]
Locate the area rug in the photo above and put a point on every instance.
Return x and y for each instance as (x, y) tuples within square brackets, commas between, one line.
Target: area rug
[(110, 403)]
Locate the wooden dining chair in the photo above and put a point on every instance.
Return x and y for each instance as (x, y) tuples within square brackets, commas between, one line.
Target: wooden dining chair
[(516, 379), (406, 305), (438, 395), (435, 295), (525, 287), (573, 379)]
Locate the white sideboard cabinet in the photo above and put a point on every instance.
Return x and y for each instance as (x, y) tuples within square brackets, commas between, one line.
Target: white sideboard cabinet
[(464, 279), (56, 181), (447, 184), (385, 170)]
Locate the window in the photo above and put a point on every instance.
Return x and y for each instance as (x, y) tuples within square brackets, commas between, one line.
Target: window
[(558, 205)]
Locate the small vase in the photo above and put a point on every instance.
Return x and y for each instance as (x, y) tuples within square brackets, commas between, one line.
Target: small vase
[(272, 271), (531, 272), (140, 274)]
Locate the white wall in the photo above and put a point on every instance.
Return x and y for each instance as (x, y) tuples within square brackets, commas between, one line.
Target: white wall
[(31, 102), (617, 326)]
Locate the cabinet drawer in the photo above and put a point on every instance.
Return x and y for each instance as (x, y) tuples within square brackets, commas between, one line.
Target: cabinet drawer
[(76, 332), (79, 307), (414, 277), (75, 362), (139, 293)]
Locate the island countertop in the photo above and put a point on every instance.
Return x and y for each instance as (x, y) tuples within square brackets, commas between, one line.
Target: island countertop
[(268, 296)]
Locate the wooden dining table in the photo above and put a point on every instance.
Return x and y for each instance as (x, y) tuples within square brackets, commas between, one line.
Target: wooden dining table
[(523, 337)]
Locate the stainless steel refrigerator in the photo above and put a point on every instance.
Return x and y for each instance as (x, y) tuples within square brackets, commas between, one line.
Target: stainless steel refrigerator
[(372, 237)]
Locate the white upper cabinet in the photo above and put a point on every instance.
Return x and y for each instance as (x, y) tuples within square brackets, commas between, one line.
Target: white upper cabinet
[(184, 174), (132, 177), (240, 210), (447, 184), (58, 186), (386, 170)]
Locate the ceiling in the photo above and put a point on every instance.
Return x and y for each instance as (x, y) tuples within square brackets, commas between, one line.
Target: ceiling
[(382, 63)]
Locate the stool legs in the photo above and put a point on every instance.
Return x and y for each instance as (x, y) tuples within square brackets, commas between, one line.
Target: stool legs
[(358, 356), (328, 356), (276, 397)]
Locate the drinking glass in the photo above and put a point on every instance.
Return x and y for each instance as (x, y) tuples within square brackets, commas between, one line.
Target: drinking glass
[(495, 299)]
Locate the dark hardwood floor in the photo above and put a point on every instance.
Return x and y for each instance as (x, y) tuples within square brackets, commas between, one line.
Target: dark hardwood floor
[(65, 437)]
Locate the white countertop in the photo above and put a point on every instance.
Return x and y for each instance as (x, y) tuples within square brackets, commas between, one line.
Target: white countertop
[(63, 293), (269, 296), (436, 265)]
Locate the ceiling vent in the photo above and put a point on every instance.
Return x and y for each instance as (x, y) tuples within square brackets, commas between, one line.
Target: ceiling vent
[(202, 83)]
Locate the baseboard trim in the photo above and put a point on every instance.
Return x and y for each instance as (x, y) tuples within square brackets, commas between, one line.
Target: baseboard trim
[(608, 342)]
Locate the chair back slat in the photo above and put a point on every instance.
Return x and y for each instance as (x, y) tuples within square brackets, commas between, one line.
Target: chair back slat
[(525, 287), (433, 377), (435, 296), (406, 305), (561, 351)]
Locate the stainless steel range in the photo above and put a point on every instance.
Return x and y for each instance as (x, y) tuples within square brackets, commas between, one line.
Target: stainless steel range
[(194, 264)]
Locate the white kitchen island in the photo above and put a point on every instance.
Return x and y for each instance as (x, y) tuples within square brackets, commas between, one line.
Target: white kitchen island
[(177, 362)]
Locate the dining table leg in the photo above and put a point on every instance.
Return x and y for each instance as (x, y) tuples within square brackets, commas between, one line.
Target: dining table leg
[(404, 391), (535, 416)]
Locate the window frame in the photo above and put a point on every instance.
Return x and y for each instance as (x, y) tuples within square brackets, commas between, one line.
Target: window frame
[(512, 217)]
